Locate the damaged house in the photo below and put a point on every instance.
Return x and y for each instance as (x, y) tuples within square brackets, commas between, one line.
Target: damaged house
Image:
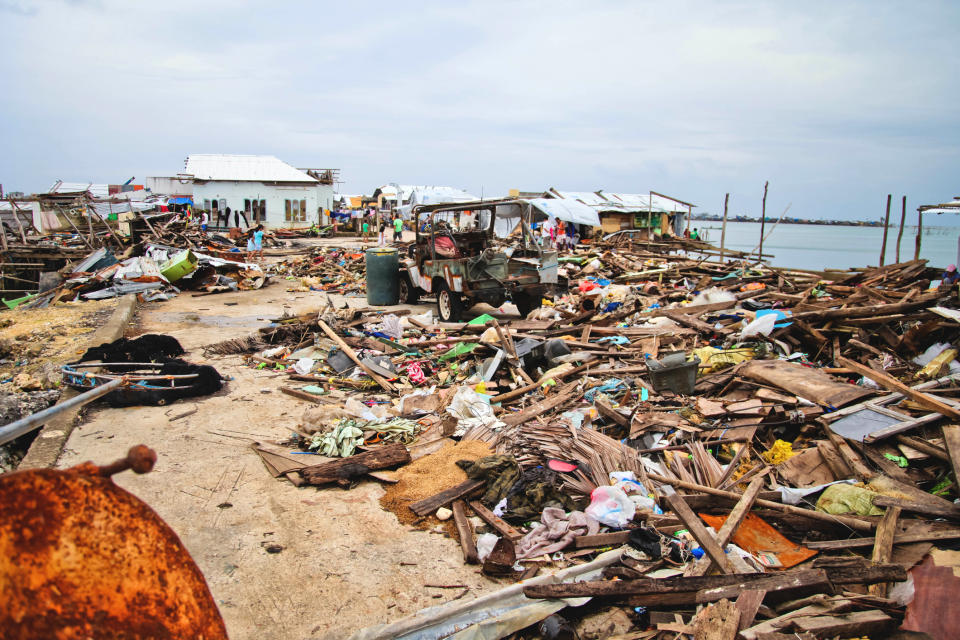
[(267, 190)]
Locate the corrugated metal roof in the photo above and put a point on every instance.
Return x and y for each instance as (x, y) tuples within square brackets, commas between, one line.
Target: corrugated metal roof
[(95, 190), (218, 166), (642, 201), (586, 197)]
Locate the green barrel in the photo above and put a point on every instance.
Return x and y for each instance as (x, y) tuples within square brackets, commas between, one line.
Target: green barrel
[(383, 276)]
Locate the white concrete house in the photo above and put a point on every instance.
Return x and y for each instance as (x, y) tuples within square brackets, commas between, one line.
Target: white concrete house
[(268, 190)]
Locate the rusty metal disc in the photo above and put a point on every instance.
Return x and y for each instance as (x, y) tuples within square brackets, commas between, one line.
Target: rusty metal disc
[(82, 558)]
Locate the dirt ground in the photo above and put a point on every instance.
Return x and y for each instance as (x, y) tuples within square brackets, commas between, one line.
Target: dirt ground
[(345, 562)]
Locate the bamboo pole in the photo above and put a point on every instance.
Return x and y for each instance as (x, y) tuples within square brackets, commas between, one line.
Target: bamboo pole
[(763, 217), (723, 229), (903, 218), (886, 227)]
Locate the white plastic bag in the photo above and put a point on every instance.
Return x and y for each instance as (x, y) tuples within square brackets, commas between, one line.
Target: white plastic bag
[(761, 326), (610, 506), (304, 366), (485, 544)]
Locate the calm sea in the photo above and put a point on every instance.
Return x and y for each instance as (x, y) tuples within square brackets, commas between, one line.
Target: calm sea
[(818, 247)]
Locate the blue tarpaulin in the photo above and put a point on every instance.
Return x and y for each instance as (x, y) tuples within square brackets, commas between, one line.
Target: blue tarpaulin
[(180, 200)]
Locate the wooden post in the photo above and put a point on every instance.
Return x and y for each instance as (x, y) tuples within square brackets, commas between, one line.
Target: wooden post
[(689, 216), (16, 216), (763, 218), (90, 227), (3, 237), (903, 218), (70, 222), (886, 226), (723, 229), (916, 250)]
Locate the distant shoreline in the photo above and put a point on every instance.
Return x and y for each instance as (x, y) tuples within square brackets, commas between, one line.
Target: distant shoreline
[(841, 223)]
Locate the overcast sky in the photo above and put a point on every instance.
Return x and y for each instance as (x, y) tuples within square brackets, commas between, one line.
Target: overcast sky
[(835, 103)]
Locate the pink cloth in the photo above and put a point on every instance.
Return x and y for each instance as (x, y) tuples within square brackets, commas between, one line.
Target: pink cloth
[(557, 531)]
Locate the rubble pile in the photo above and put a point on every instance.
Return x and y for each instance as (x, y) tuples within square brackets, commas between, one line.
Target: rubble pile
[(756, 451), (330, 269)]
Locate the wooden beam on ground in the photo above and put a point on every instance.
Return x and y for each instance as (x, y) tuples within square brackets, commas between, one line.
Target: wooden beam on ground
[(353, 356), (699, 532), (926, 508), (601, 540), (732, 523), (853, 523), (429, 505), (342, 470), (748, 603), (501, 526), (465, 532), (951, 440), (891, 383), (883, 546)]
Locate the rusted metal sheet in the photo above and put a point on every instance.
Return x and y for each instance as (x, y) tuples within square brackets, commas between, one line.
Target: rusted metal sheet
[(82, 558)]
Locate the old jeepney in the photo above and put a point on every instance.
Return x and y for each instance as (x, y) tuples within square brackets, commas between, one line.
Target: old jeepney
[(473, 252)]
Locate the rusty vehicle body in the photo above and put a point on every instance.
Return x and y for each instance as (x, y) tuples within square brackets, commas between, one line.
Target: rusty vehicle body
[(82, 558), (456, 257)]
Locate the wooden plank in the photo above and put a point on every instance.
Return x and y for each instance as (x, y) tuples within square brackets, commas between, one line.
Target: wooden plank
[(353, 356), (342, 470), (883, 546), (719, 621), (929, 509), (951, 440), (465, 532), (853, 523), (903, 538), (732, 523), (808, 580), (924, 447), (601, 539), (856, 623), (748, 602), (562, 395), (893, 384), (429, 505), (607, 411), (699, 532), (501, 526), (303, 395)]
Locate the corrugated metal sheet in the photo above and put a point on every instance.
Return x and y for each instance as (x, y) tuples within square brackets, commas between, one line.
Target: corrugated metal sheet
[(641, 202), (94, 189), (588, 198), (214, 166)]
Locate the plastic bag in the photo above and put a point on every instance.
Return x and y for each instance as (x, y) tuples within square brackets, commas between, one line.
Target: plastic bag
[(610, 506), (762, 326), (485, 544), (303, 366)]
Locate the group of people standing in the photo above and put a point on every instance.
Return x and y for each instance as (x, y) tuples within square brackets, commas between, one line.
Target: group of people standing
[(394, 223), (560, 235)]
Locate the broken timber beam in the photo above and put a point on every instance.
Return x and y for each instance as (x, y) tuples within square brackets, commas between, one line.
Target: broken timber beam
[(853, 523), (893, 384), (342, 470), (429, 505), (732, 523), (353, 356)]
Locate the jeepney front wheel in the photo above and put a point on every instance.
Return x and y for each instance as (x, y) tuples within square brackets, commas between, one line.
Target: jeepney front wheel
[(407, 292), (449, 304)]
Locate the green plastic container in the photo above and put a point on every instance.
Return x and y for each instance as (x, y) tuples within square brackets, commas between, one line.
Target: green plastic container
[(179, 265), (383, 276)]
